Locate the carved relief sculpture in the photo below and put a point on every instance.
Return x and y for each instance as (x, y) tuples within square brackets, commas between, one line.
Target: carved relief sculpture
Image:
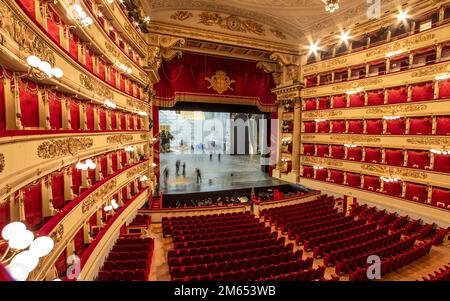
[(220, 82)]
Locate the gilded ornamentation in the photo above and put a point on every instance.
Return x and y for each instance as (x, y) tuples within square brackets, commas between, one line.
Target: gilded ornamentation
[(181, 15), (307, 137), (396, 109), (2, 162), (136, 104), (220, 82), (137, 170), (232, 23), (57, 234), (321, 161), (97, 195), (357, 84), (135, 36), (355, 138), (405, 44), (119, 139), (69, 146), (322, 114), (432, 70), (96, 87), (278, 34), (394, 171), (429, 141)]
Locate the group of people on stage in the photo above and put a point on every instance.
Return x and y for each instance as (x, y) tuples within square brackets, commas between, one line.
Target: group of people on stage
[(219, 201), (179, 166)]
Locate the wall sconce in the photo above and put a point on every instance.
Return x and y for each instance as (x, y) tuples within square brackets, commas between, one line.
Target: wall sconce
[(143, 178), (154, 164), (320, 120), (393, 53), (81, 15), (142, 113), (22, 262), (89, 164), (109, 104), (440, 152), (353, 91), (331, 5), (442, 76), (130, 149), (389, 179), (318, 167), (42, 69), (112, 206), (124, 67), (391, 117), (350, 145)]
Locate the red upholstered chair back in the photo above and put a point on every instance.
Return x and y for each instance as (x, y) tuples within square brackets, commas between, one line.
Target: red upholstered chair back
[(337, 176), (309, 127), (394, 157), (442, 163), (440, 197), (324, 103), (337, 151), (393, 188), (322, 150), (338, 126), (420, 126), (339, 101), (310, 104), (444, 89), (397, 95), (418, 159), (375, 98), (321, 174), (355, 127), (374, 126), (396, 127), (308, 149), (354, 153), (443, 125), (373, 155), (422, 92)]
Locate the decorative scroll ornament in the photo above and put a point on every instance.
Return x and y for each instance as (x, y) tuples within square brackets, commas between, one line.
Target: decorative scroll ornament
[(278, 34), (406, 44), (2, 162), (321, 161), (69, 146), (57, 234), (181, 15), (394, 110), (323, 114), (119, 139), (357, 84), (220, 82), (137, 170), (394, 171), (96, 87), (355, 138), (97, 195), (429, 141), (136, 104), (432, 70), (232, 23)]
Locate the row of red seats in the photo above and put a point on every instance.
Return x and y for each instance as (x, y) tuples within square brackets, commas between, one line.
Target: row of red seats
[(295, 209), (320, 200), (304, 232), (133, 240), (254, 230), (207, 230), (339, 225), (247, 245), (304, 216), (292, 227), (327, 248), (130, 248), (223, 241), (395, 262), (442, 275), (129, 255), (126, 275), (141, 221), (172, 221), (300, 276), (168, 229), (125, 264)]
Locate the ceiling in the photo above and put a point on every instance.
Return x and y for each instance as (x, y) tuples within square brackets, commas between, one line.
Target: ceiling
[(290, 22)]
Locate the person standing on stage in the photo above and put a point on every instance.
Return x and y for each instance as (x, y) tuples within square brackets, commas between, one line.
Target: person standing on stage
[(165, 175), (184, 169), (199, 175), (177, 166)]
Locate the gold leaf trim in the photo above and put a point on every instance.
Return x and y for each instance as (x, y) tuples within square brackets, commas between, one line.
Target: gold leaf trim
[(136, 170), (429, 141), (69, 146), (394, 171), (2, 162), (321, 161), (355, 138), (96, 87), (181, 15), (97, 195), (119, 139), (220, 82), (330, 113), (392, 110), (433, 70)]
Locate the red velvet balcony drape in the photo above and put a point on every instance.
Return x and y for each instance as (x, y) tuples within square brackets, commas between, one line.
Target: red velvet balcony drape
[(112, 75), (393, 188), (394, 157), (397, 95), (122, 82), (371, 183), (2, 105), (4, 214), (375, 98), (89, 59), (337, 152), (309, 127), (374, 127), (396, 127), (138, 123), (321, 174), (123, 124), (354, 180), (337, 176), (131, 121), (55, 111), (73, 45), (53, 24), (104, 165), (308, 149), (422, 92), (78, 242), (101, 69), (339, 101), (33, 205), (357, 100), (322, 150), (416, 192), (114, 162), (60, 264), (310, 104), (102, 118), (58, 189), (443, 125), (76, 180), (373, 155), (90, 117), (29, 103), (444, 89), (123, 157), (113, 120), (418, 159), (124, 194), (130, 87), (324, 103), (74, 115), (29, 6), (323, 127), (420, 126)]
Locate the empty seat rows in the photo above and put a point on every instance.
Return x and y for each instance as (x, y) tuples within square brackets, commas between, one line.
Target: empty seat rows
[(303, 232), (221, 216), (126, 275), (224, 241), (253, 230), (298, 212), (130, 248), (324, 229), (292, 226), (442, 275), (303, 216), (140, 220), (208, 230), (125, 264)]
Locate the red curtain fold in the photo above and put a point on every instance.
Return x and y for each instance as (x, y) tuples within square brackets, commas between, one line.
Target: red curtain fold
[(90, 117), (102, 115), (29, 104), (122, 82), (444, 89), (113, 120), (53, 24), (91, 176), (321, 174), (420, 126), (124, 194), (132, 188), (371, 183), (322, 150), (33, 205), (139, 123), (308, 171), (443, 125), (397, 95), (55, 112), (418, 159), (396, 127), (73, 45), (123, 157), (93, 220), (338, 126), (58, 190), (29, 6), (101, 69), (74, 115), (123, 125), (104, 166), (324, 103), (310, 104), (416, 192), (323, 127), (337, 152), (131, 121), (422, 92), (138, 91), (442, 163), (114, 162), (60, 264), (337, 176), (355, 127), (394, 157), (339, 101), (393, 188), (88, 62), (440, 197), (112, 79), (130, 87), (354, 153), (78, 241), (373, 155), (76, 180), (357, 100), (2, 107), (311, 81), (375, 98), (309, 127), (374, 126), (354, 180), (5, 216), (308, 149)]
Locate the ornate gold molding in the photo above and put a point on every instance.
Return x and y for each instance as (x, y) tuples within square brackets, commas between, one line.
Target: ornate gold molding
[(69, 146), (308, 137), (135, 36), (181, 15), (432, 70), (321, 161), (2, 162), (394, 171), (136, 170), (278, 34), (57, 234), (405, 44), (119, 139), (357, 84), (232, 23), (322, 114), (429, 141), (392, 110), (139, 105), (96, 87), (220, 82), (355, 138), (97, 195)]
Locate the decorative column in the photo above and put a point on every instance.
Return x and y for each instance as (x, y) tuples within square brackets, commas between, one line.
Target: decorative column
[(83, 119), (68, 192), (46, 197), (12, 103), (65, 114), (405, 157), (108, 120), (96, 118), (403, 189), (44, 109), (296, 138)]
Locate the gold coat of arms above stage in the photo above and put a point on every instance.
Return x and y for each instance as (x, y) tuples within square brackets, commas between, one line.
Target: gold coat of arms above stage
[(220, 82)]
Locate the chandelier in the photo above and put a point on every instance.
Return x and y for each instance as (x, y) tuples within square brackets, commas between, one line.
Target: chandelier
[(331, 5)]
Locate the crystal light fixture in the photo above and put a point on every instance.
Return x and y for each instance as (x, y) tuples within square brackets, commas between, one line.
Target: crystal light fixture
[(331, 5)]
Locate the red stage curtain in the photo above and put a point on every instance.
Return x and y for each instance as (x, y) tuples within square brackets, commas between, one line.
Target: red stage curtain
[(393, 188), (422, 92), (374, 127), (113, 120), (55, 112), (337, 151), (339, 101), (371, 183), (416, 192), (308, 171), (322, 150), (354, 153), (323, 127), (443, 125), (354, 180), (101, 69), (102, 115), (131, 121), (442, 163), (308, 149), (357, 100), (309, 126), (29, 6), (2, 105), (139, 123), (104, 165), (396, 127), (73, 45), (58, 190), (375, 98), (373, 155), (418, 159), (112, 79), (123, 118), (355, 127), (420, 126), (60, 264), (123, 157), (122, 82), (311, 81), (440, 197), (74, 115), (310, 104), (29, 103), (444, 89), (321, 174), (33, 205), (114, 162), (394, 157), (336, 176), (324, 103), (397, 95), (78, 242), (88, 62), (4, 214), (76, 180), (90, 117), (338, 126)]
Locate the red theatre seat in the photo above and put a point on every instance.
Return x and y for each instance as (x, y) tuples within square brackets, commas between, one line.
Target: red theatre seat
[(375, 98), (338, 126), (324, 103), (420, 126), (371, 183), (418, 159), (373, 155), (311, 81), (309, 127), (416, 192), (354, 154), (354, 180), (422, 92), (321, 174), (441, 197), (442, 163), (310, 104), (397, 95), (323, 127), (357, 100), (308, 171), (444, 89), (308, 149), (394, 157), (339, 101), (396, 127), (393, 188), (374, 127), (355, 127), (322, 150), (337, 152), (443, 126), (337, 176)]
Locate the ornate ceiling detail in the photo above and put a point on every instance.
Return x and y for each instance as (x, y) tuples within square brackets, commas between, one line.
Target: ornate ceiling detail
[(220, 82), (181, 15), (231, 22), (278, 34)]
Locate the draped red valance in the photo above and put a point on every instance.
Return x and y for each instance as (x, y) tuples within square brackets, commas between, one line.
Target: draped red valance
[(186, 75)]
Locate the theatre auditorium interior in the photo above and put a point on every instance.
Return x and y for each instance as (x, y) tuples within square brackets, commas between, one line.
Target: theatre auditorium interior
[(213, 140)]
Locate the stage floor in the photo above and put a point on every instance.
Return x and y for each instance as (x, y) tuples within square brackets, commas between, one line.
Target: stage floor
[(231, 172)]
